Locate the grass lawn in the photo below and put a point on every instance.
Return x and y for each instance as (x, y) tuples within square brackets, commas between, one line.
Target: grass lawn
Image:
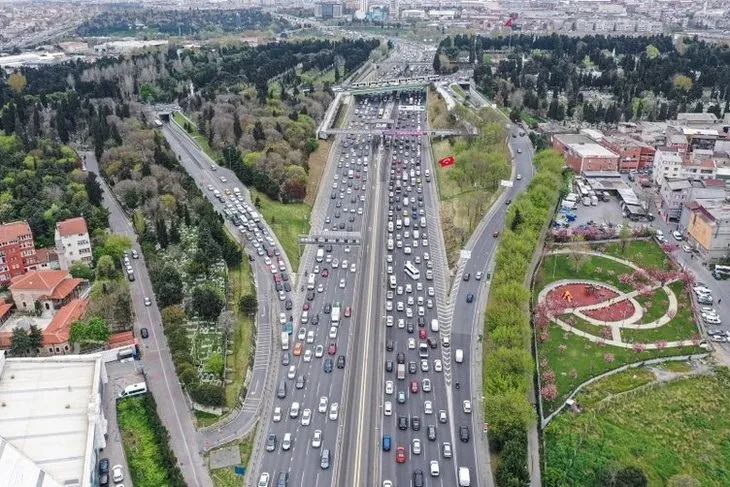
[(644, 253), (655, 305), (226, 477), (142, 446), (615, 384), (317, 163), (288, 221), (681, 327), (241, 283), (582, 359), (457, 89), (200, 139), (203, 419), (563, 266), (681, 427)]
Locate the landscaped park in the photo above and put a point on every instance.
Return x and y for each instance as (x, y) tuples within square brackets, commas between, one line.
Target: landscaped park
[(598, 308)]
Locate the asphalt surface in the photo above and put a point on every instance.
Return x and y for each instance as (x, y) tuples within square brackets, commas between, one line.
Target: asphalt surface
[(241, 421), (156, 359)]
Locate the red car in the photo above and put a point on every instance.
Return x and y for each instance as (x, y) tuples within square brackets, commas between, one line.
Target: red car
[(277, 277), (422, 333), (400, 454), (305, 307), (348, 312), (414, 387), (324, 273), (332, 348)]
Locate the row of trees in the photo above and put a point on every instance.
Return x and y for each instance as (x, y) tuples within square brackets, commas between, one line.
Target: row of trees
[(508, 368)]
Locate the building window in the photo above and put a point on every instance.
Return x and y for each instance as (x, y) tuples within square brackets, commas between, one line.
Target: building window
[(47, 306), (50, 349), (58, 350), (65, 347), (25, 305)]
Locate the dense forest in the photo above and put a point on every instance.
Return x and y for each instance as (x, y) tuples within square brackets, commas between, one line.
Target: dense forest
[(597, 78), (190, 23)]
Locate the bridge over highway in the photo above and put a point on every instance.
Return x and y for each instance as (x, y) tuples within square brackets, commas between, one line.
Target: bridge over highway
[(389, 132)]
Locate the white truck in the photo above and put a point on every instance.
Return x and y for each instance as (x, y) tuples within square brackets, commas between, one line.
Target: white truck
[(320, 255), (284, 340), (464, 478)]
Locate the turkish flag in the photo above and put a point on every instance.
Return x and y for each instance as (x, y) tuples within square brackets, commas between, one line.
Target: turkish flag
[(447, 161), (508, 23)]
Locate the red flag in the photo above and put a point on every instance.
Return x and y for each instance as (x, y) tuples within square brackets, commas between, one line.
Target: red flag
[(447, 161), (508, 23)]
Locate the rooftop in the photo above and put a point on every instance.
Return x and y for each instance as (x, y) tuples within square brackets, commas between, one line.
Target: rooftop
[(13, 230), (568, 139), (72, 226), (49, 414), (678, 184), (591, 150)]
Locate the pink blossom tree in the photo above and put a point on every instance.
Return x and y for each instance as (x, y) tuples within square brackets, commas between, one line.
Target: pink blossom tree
[(626, 278), (543, 337), (696, 339), (639, 347), (669, 247), (606, 332), (609, 357), (661, 344), (548, 376), (549, 392), (687, 278)]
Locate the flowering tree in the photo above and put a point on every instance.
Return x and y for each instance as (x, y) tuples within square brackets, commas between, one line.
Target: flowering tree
[(626, 278), (669, 247), (672, 313), (661, 344), (549, 392), (606, 332), (548, 376), (562, 348), (543, 337), (543, 363), (639, 347), (609, 357), (687, 278)]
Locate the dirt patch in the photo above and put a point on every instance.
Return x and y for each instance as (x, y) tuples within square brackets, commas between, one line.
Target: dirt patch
[(317, 163)]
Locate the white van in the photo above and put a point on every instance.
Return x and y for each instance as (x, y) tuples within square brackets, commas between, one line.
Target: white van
[(464, 478), (134, 390), (459, 357), (320, 255), (236, 191), (284, 340), (435, 325), (390, 227), (390, 244), (423, 222), (310, 282), (406, 222)]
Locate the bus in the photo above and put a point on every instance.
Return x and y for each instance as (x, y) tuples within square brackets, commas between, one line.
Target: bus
[(721, 272), (412, 271)]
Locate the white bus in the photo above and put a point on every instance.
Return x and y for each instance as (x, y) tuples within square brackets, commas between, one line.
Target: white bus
[(412, 271)]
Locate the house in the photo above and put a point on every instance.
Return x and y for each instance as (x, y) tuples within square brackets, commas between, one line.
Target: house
[(674, 193), (699, 165), (52, 422), (17, 250), (708, 228), (703, 191), (46, 291), (47, 259), (72, 242)]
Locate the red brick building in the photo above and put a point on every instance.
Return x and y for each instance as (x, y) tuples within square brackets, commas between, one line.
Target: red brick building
[(17, 251), (632, 153), (590, 157)]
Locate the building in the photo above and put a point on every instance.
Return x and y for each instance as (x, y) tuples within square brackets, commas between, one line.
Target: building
[(47, 291), (328, 10), (702, 192), (561, 141), (52, 424), (17, 250), (47, 259), (708, 228), (674, 193), (590, 157), (667, 164), (696, 120), (72, 242), (633, 154)]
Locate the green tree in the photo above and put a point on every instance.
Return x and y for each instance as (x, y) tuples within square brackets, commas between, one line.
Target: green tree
[(35, 338), (215, 364), (114, 246), (516, 221), (173, 315), (248, 304), (20, 343), (237, 130), (208, 395), (93, 189), (167, 284), (81, 270), (105, 268), (258, 132), (94, 332), (624, 235), (207, 302), (652, 52)]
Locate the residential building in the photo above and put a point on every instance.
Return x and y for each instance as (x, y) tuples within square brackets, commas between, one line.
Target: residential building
[(708, 228), (52, 423), (700, 164), (702, 192), (328, 10), (560, 142), (674, 193), (696, 120), (72, 242), (47, 259), (17, 250), (46, 291), (633, 154), (667, 164)]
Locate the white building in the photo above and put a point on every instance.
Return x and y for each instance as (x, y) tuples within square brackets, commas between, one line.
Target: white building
[(52, 423), (667, 165), (72, 242)]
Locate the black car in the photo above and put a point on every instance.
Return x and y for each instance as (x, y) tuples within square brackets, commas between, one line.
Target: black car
[(402, 423), (310, 295), (144, 334), (271, 442), (389, 345), (467, 276), (279, 286), (469, 298), (327, 365), (315, 319), (464, 433), (328, 248), (327, 308), (409, 327), (421, 322), (287, 287), (401, 358), (288, 304), (418, 478), (284, 276), (283, 479), (416, 423), (389, 366), (412, 369), (431, 342), (341, 362), (285, 359), (431, 432), (104, 465)]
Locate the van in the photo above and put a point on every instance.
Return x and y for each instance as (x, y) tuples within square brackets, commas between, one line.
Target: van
[(459, 357), (281, 390), (305, 317), (464, 479), (405, 201), (320, 255), (134, 390), (284, 340), (435, 325), (406, 222), (310, 282), (401, 371)]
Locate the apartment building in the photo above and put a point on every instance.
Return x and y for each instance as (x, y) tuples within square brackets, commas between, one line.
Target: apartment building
[(72, 242), (17, 250), (709, 229)]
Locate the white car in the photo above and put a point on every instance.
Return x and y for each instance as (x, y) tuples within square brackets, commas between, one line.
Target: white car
[(389, 307), (437, 365), (277, 414), (342, 283), (147, 301), (294, 410), (292, 372), (334, 411), (310, 336), (426, 385), (317, 439), (434, 467), (389, 320), (411, 343), (427, 407), (306, 417), (388, 408), (301, 334), (353, 268), (416, 446), (333, 332), (389, 387), (117, 473), (319, 351), (323, 402), (264, 480), (431, 292), (466, 405)]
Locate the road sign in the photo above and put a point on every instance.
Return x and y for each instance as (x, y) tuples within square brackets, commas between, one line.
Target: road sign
[(506, 183), (239, 470)]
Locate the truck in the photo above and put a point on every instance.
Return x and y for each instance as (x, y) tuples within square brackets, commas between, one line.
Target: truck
[(284, 340), (335, 315), (401, 371), (310, 281), (594, 200)]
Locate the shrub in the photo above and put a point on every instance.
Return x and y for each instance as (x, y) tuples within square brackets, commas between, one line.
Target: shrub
[(208, 395)]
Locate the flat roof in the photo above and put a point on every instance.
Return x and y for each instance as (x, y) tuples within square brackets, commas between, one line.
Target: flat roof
[(48, 406), (591, 150), (628, 196)]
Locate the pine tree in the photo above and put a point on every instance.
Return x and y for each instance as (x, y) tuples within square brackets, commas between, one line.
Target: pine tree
[(161, 232), (517, 220), (237, 130)]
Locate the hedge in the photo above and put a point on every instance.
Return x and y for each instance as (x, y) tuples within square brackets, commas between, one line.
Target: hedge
[(508, 363)]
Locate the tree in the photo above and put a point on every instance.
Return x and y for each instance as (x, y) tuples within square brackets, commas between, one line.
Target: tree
[(105, 268), (437, 62), (35, 337), (20, 342), (248, 304), (237, 130), (17, 82), (258, 132), (93, 189), (652, 52), (623, 477), (215, 364), (624, 235), (114, 246), (682, 82), (517, 220), (94, 332), (167, 284), (208, 395), (81, 270), (161, 232), (207, 302)]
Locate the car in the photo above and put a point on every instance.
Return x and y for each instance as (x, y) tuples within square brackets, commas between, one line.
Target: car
[(264, 480), (416, 446), (348, 312), (414, 387), (427, 407), (466, 406), (319, 351), (400, 454), (144, 333), (103, 466), (442, 416), (466, 276), (402, 422), (464, 433), (677, 235), (327, 366), (519, 177), (324, 460), (317, 439), (117, 473), (495, 235), (470, 298), (446, 450), (301, 382), (342, 283), (147, 301), (401, 397), (135, 255), (418, 478), (286, 442), (434, 468), (332, 348), (297, 349), (334, 411), (283, 479), (224, 179), (386, 442), (686, 248), (389, 366), (277, 414), (306, 417), (271, 442), (478, 276)]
